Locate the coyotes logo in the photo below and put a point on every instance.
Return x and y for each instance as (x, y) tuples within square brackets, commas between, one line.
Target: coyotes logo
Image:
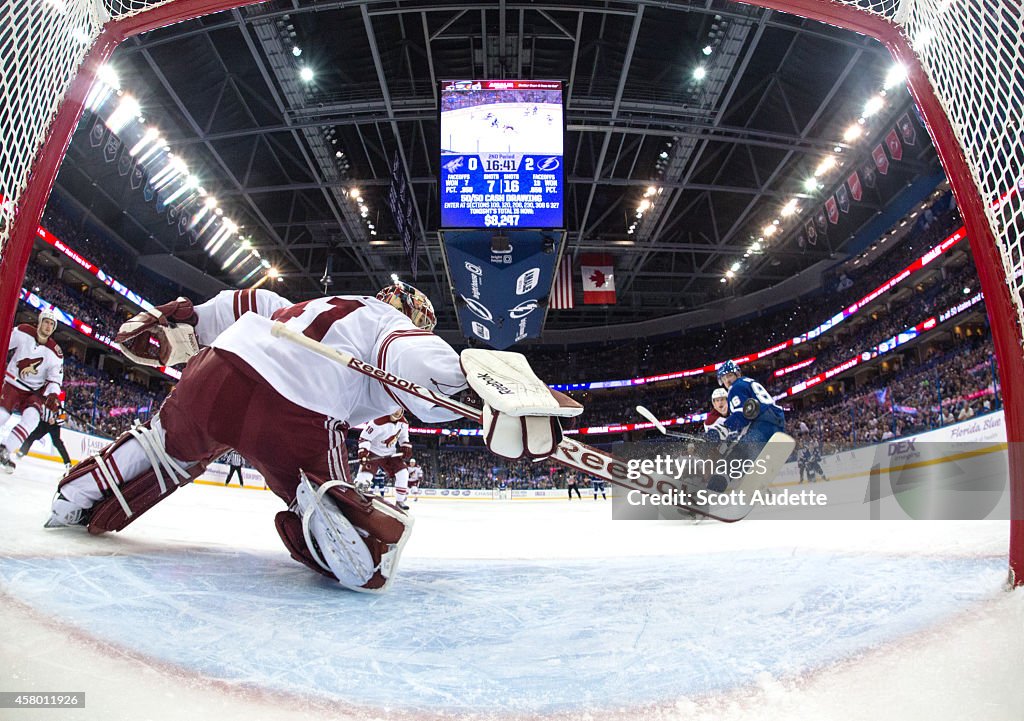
[(29, 367), (391, 441)]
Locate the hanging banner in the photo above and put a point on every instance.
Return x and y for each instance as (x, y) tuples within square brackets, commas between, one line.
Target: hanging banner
[(881, 161), (811, 232), (821, 222), (868, 173), (844, 199), (892, 142), (833, 210), (853, 183), (907, 129)]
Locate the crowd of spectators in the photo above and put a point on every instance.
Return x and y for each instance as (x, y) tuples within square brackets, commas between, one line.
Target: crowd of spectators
[(102, 404), (948, 388), (698, 347)]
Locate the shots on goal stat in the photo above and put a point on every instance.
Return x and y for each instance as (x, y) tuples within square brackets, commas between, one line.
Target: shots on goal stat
[(299, 396), (730, 462)]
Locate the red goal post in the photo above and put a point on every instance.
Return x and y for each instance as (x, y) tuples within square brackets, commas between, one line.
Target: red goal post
[(964, 60)]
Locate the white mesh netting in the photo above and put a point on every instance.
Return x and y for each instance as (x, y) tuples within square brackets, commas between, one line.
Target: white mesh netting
[(42, 44), (972, 50)]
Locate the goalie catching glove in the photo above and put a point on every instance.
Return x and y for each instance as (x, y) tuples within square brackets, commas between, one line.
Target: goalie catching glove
[(520, 413), (164, 336)]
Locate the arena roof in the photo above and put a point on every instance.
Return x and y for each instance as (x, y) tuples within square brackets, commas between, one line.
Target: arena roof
[(728, 150)]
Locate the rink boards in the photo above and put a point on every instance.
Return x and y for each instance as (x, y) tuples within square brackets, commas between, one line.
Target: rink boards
[(963, 450)]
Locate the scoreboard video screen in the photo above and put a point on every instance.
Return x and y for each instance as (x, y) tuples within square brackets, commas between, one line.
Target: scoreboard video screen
[(501, 154)]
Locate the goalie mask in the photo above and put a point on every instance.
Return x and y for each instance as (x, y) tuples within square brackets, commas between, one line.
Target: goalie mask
[(410, 301)]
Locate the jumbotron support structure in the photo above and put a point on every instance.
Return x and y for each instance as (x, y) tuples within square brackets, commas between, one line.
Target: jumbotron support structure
[(964, 61)]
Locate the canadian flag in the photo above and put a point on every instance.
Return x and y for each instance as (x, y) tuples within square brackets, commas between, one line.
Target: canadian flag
[(598, 272)]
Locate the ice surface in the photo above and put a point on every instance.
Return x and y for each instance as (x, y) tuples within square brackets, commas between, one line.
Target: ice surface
[(509, 609)]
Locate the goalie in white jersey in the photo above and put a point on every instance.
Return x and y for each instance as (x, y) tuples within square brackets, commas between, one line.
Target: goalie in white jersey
[(384, 445), (286, 409)]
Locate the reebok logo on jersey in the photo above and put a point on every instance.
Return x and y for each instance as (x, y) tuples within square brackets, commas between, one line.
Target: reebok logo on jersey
[(29, 367)]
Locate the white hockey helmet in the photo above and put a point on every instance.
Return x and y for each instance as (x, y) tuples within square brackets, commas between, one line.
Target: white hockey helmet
[(719, 393), (410, 301), (47, 314)]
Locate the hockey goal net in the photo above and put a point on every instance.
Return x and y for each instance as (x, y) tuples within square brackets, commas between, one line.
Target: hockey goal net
[(965, 63)]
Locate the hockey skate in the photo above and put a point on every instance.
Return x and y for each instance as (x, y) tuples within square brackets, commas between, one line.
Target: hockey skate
[(67, 515), (6, 462), (403, 505)]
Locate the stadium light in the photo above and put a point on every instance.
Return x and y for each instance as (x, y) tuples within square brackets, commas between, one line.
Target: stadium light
[(707, 50), (769, 230), (644, 205), (699, 72), (273, 272), (108, 76), (896, 75), (824, 166), (296, 51), (306, 74), (789, 208), (811, 184), (354, 193), (853, 132), (730, 274), (125, 111), (874, 105)]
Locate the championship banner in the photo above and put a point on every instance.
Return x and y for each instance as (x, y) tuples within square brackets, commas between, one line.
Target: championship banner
[(598, 271), (907, 130), (501, 283), (853, 183), (868, 171), (892, 141), (881, 161), (811, 232), (833, 210), (843, 196)]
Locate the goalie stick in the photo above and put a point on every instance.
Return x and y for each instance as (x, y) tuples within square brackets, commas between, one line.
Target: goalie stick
[(570, 453)]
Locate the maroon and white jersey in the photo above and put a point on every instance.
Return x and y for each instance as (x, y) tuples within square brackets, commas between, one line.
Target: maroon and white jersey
[(713, 420), (32, 366), (372, 331), (415, 475), (384, 437)]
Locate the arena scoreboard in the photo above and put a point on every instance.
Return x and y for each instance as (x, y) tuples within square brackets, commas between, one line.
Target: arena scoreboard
[(502, 154)]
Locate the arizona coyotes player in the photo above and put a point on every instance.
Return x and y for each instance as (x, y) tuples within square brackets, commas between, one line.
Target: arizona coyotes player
[(35, 371), (415, 478), (715, 422), (384, 444), (286, 409)]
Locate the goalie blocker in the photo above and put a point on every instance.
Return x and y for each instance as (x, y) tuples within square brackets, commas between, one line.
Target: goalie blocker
[(520, 413)]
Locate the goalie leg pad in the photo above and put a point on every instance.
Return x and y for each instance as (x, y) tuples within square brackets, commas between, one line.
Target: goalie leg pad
[(357, 539), (126, 478)]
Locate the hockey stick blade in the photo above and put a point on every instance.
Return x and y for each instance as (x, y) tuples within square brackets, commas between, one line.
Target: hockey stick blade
[(569, 453), (653, 419)]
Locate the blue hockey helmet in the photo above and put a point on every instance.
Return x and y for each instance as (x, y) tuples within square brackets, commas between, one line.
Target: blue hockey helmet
[(727, 367)]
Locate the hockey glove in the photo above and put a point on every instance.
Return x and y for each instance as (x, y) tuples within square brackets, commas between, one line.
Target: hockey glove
[(164, 336)]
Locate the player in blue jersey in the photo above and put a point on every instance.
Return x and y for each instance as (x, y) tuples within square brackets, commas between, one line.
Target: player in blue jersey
[(753, 414)]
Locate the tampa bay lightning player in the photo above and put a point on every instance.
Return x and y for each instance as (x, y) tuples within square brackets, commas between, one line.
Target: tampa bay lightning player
[(752, 411)]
